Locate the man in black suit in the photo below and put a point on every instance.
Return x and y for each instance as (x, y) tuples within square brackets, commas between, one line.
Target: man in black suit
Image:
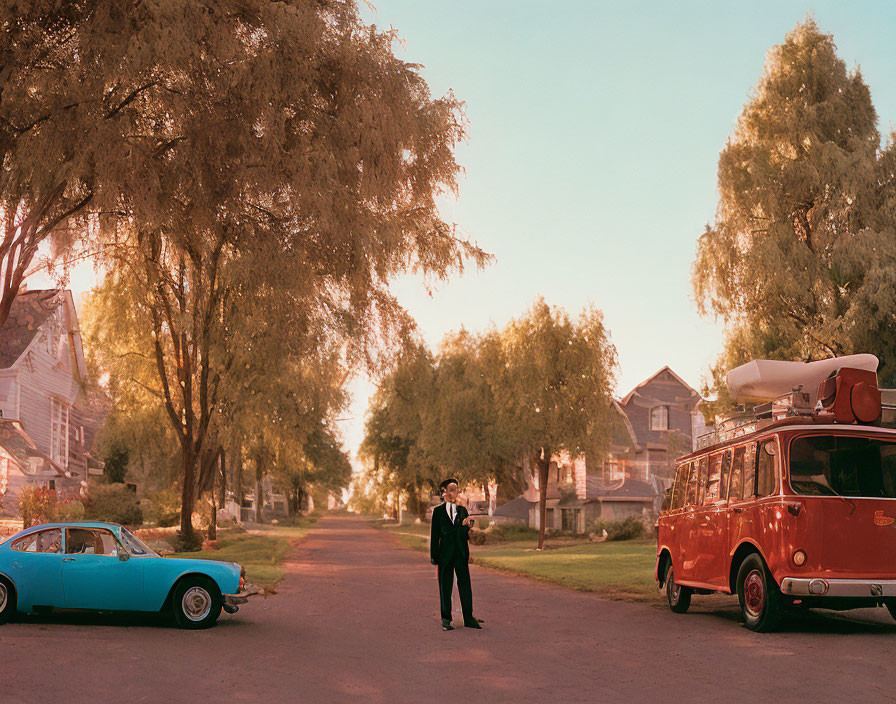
[(450, 550)]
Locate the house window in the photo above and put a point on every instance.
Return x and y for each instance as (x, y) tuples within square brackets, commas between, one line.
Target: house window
[(59, 432), (659, 418), (613, 470)]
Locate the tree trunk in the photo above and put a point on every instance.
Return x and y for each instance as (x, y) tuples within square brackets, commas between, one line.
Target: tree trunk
[(300, 497), (544, 466), (188, 493), (259, 497), (222, 494), (236, 462), (213, 518)]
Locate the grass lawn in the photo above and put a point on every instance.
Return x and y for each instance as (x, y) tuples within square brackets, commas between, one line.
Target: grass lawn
[(260, 550), (617, 570)]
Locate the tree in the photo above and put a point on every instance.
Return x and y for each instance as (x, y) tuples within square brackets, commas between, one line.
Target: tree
[(800, 261), (555, 390), (462, 424), (265, 133), (394, 428), (51, 101)]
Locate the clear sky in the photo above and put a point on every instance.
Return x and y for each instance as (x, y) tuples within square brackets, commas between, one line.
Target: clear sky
[(590, 167)]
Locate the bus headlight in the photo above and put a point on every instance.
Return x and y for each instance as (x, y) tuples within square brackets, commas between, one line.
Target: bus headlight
[(799, 558)]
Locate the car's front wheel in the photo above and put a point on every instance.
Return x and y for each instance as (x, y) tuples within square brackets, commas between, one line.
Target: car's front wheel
[(7, 600), (760, 598), (196, 603), (679, 597)]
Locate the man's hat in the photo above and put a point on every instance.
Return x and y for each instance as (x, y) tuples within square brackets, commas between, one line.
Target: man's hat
[(444, 484)]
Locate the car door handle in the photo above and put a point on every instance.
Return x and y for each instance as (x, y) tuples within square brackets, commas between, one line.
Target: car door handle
[(738, 510), (68, 559)]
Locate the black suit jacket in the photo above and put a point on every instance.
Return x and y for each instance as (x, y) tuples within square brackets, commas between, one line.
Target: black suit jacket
[(448, 540)]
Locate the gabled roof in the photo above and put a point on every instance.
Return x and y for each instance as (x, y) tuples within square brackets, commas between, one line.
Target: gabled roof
[(517, 508), (630, 489), (623, 432), (29, 311), (681, 381)]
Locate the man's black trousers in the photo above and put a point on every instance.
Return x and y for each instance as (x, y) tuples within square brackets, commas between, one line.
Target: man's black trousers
[(457, 565)]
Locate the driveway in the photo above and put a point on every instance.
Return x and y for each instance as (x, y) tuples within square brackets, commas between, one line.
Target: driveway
[(356, 619)]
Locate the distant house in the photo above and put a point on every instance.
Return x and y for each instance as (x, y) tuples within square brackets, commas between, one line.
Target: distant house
[(46, 426), (655, 422)]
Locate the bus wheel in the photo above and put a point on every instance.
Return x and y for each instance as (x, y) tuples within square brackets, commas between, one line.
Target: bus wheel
[(679, 597), (759, 596)]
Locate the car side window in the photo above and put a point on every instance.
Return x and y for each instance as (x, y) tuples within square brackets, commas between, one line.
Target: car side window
[(736, 490), (90, 541), (692, 485), (750, 472), (681, 486), (27, 543), (701, 482), (726, 476), (767, 468), (49, 540), (714, 483)]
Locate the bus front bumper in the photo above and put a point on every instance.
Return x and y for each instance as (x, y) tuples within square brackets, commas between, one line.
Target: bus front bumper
[(795, 586)]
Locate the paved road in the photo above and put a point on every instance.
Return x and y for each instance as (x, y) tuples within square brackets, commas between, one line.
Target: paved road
[(356, 619)]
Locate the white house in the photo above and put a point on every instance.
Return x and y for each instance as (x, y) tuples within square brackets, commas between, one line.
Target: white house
[(42, 378)]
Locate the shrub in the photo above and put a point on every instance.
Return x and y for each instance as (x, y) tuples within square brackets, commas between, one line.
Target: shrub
[(631, 527), (183, 543), (115, 503), (513, 531), (162, 508), (37, 505), (71, 510)]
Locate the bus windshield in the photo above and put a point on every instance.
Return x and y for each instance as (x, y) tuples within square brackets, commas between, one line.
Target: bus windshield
[(832, 465)]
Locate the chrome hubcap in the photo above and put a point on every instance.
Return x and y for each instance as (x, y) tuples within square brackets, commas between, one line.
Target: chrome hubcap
[(754, 594), (197, 603), (674, 591), (4, 595)]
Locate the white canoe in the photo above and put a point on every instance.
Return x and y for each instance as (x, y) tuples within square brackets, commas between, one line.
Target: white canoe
[(766, 379)]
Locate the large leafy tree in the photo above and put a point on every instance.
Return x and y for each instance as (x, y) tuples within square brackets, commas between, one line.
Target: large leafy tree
[(555, 391), (463, 424), (275, 150), (400, 410), (800, 261)]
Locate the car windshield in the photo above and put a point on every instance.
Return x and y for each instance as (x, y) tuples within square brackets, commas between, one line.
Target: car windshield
[(831, 465), (136, 546)]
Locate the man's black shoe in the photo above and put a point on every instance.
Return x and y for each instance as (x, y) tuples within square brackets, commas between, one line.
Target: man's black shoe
[(446, 626), (472, 624)]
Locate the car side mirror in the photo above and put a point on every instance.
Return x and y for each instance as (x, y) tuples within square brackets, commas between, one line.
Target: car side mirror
[(124, 556)]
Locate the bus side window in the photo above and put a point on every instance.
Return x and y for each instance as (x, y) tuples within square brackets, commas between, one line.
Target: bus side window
[(736, 492), (692, 485), (726, 476), (750, 472), (681, 486), (715, 479), (767, 468), (701, 484)]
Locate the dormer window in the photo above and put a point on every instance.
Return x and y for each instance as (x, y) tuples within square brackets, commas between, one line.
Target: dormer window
[(659, 418)]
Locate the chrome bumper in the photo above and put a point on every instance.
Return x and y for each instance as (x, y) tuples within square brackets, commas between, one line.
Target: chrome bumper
[(232, 602), (838, 587)]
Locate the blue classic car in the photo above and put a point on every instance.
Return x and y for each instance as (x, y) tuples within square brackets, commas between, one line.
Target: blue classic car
[(105, 567)]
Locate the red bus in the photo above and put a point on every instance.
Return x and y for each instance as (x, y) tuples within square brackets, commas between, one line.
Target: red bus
[(793, 505)]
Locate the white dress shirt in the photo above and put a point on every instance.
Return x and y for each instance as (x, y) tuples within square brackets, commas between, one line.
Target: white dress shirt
[(452, 510)]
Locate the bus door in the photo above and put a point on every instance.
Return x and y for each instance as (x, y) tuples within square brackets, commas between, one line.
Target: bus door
[(741, 493), (691, 518), (712, 528)]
